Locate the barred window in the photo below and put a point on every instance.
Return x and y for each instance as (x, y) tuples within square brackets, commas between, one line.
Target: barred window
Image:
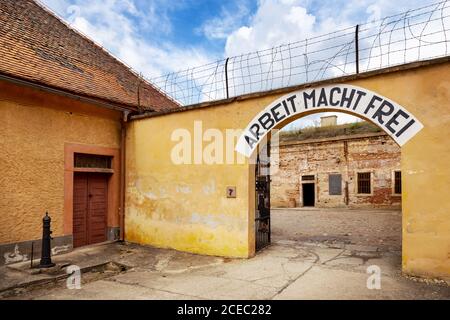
[(397, 182), (308, 177), (364, 182), (82, 160)]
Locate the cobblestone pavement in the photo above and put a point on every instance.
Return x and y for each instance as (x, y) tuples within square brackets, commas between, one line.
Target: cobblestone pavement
[(380, 228), (293, 267)]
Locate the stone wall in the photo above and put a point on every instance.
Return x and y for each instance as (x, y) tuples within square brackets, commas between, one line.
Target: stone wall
[(346, 155)]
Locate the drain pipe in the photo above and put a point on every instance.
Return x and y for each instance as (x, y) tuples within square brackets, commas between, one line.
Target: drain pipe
[(122, 174)]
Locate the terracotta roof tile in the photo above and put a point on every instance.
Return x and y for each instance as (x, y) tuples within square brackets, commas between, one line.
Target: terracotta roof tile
[(35, 45)]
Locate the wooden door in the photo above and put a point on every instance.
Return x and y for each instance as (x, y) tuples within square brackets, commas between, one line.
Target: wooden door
[(90, 207), (80, 209)]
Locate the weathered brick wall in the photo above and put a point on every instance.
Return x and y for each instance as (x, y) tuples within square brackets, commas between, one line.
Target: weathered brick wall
[(375, 153)]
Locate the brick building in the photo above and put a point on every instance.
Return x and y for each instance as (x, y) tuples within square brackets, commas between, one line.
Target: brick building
[(352, 165)]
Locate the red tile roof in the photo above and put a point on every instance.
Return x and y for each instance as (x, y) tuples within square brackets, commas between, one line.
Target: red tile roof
[(37, 46)]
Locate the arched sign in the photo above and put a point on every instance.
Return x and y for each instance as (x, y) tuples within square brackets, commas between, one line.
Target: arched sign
[(390, 116)]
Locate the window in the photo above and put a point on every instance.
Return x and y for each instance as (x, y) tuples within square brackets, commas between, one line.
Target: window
[(335, 184), (397, 182), (83, 160), (308, 178), (364, 182)]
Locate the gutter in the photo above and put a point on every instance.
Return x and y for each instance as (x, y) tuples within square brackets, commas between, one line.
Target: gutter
[(68, 94), (123, 136)]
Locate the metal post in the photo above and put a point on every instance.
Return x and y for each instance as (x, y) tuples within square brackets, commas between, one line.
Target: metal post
[(226, 77), (46, 259), (32, 255), (357, 48)]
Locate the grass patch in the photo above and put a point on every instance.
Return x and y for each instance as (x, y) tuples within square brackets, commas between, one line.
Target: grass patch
[(317, 132)]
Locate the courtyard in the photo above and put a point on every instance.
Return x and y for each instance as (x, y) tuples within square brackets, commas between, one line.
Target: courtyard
[(315, 254)]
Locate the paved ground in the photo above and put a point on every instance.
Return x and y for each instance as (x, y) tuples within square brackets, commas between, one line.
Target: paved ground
[(288, 269), (380, 228)]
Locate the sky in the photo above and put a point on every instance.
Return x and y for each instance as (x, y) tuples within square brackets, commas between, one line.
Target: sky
[(155, 37)]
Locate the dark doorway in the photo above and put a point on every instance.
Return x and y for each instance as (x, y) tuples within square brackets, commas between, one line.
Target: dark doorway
[(308, 194), (90, 207)]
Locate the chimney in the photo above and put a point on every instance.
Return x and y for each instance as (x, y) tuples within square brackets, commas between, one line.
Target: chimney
[(328, 121)]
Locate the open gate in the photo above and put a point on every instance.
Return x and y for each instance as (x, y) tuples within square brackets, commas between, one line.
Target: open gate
[(262, 185)]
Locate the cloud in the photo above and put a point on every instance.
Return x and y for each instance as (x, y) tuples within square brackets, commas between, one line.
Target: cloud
[(278, 22), (137, 32), (274, 23), (229, 19), (120, 26)]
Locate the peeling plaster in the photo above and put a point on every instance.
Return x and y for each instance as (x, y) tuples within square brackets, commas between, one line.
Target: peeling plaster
[(411, 172), (16, 256), (59, 249), (150, 195), (183, 189), (209, 188)]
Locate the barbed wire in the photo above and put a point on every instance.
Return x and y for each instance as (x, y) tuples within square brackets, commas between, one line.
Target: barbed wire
[(414, 35)]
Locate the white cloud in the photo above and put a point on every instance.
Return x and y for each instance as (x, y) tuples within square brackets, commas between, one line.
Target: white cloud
[(274, 23), (122, 28), (219, 27), (284, 21), (117, 25), (279, 22)]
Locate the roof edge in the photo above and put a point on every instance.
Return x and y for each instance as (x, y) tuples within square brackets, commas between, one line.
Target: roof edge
[(95, 43), (70, 94)]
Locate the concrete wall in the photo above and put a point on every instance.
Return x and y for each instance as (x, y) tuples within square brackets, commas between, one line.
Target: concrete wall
[(185, 207), (35, 127), (345, 155)]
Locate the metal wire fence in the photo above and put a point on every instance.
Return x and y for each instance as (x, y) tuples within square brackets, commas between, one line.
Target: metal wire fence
[(414, 35)]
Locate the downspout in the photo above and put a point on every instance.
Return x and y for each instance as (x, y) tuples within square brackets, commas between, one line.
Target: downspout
[(123, 173), (347, 194), (123, 150)]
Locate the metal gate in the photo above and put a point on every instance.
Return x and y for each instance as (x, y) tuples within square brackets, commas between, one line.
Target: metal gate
[(262, 215)]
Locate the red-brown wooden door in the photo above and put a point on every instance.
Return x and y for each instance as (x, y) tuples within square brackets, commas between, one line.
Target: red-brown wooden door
[(90, 207)]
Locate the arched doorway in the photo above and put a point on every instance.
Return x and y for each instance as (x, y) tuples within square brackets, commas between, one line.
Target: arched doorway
[(393, 119), (330, 184)]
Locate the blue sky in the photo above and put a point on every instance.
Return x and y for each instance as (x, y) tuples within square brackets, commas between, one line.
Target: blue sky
[(156, 36)]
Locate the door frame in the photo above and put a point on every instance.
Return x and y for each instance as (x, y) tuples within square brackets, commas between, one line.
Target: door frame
[(113, 183), (303, 196)]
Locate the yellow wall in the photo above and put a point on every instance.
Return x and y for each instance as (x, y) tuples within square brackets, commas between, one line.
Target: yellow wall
[(185, 207), (34, 128)]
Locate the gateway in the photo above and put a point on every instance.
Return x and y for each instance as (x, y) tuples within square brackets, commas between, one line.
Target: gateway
[(394, 119)]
